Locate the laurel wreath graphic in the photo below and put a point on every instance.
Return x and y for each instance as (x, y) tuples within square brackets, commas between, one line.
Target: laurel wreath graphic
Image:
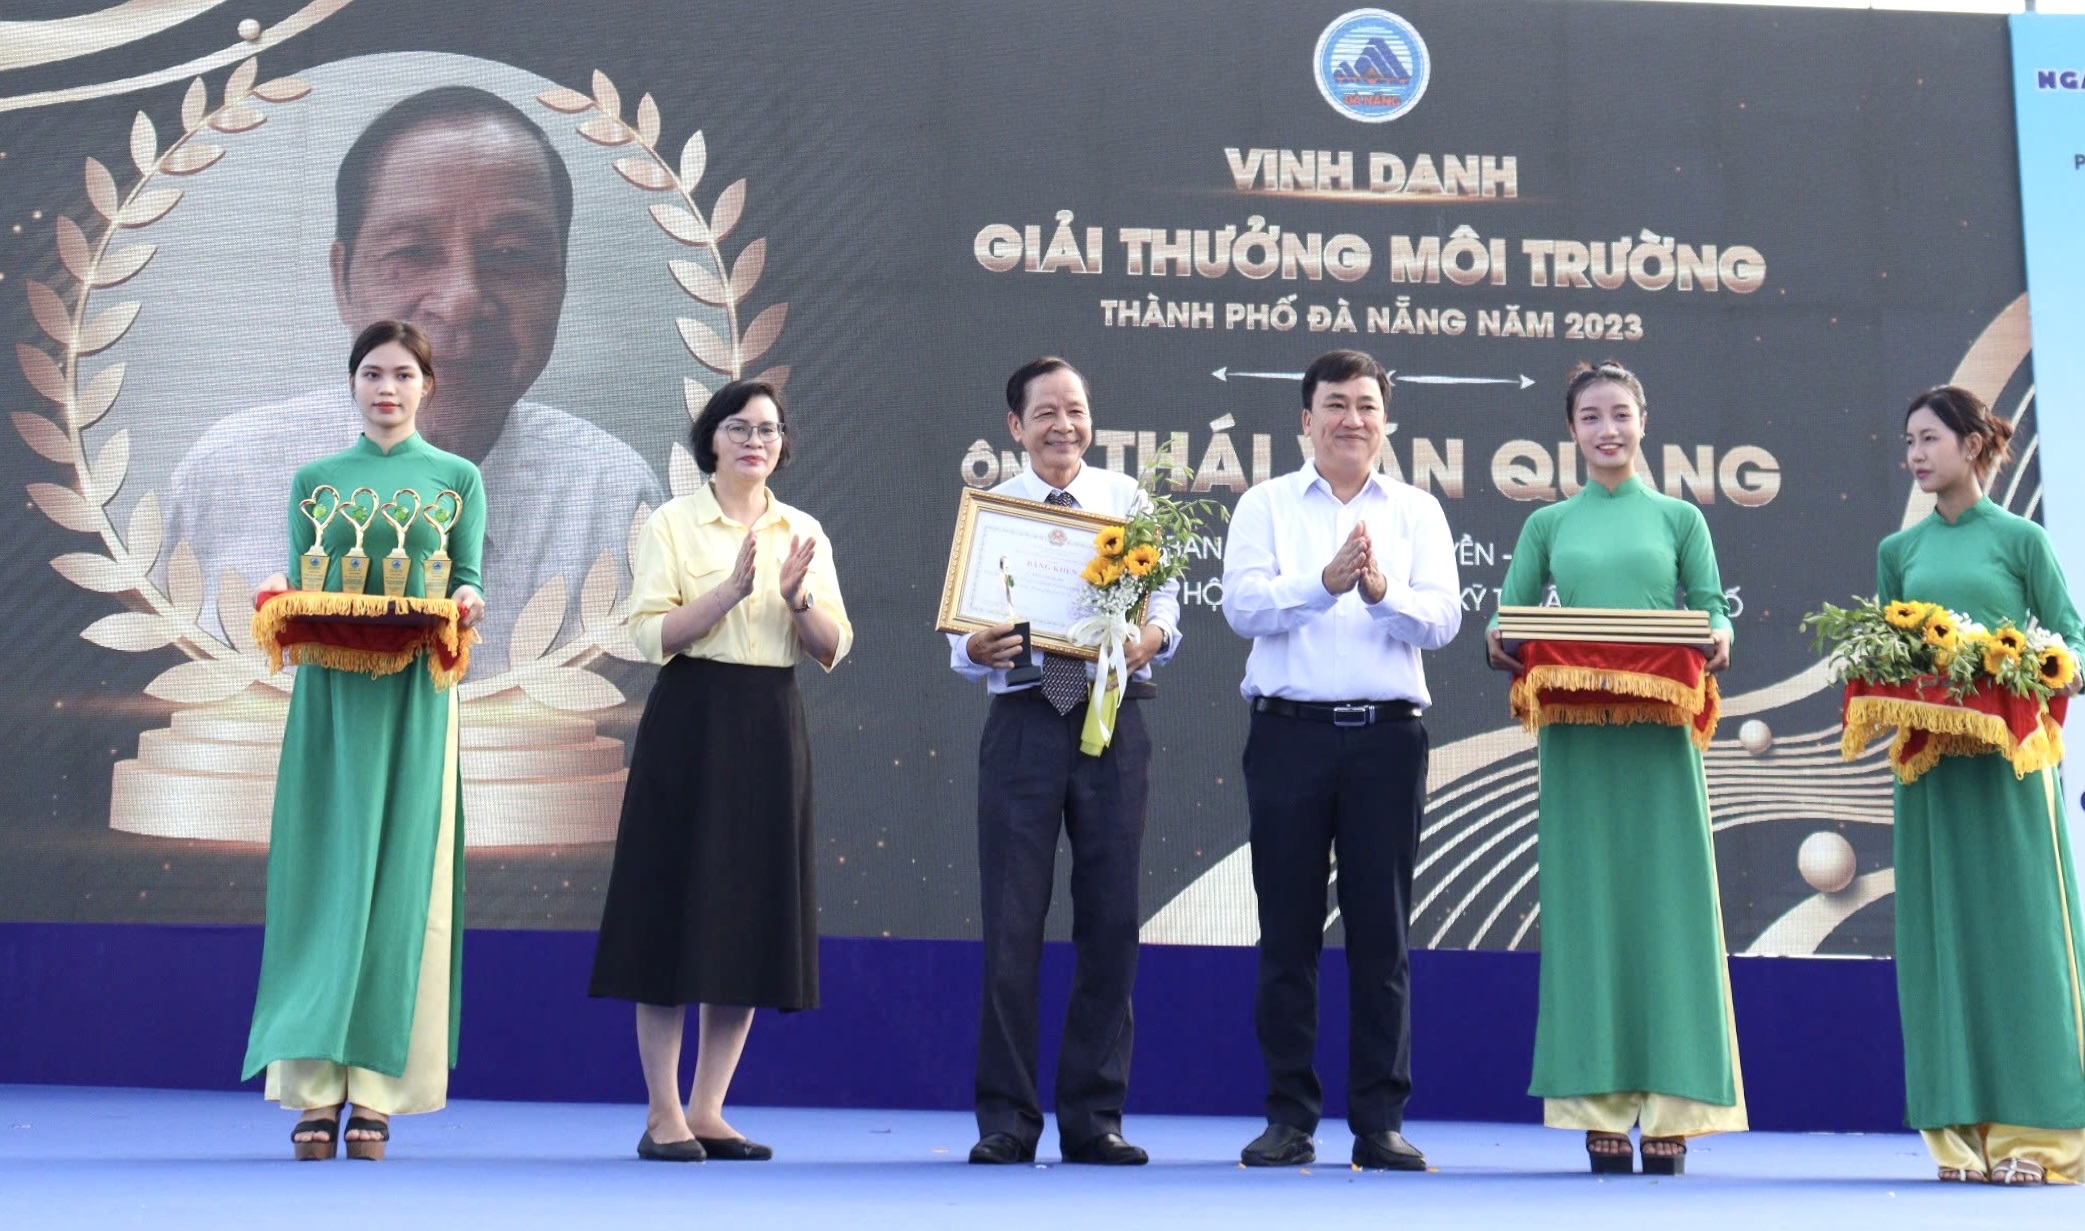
[(710, 281), (159, 617)]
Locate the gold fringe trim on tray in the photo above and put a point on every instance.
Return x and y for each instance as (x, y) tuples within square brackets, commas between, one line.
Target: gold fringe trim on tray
[(285, 608), (1951, 731), (446, 678), (1665, 702)]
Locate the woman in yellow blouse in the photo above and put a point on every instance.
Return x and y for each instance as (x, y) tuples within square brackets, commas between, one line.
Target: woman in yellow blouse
[(711, 898)]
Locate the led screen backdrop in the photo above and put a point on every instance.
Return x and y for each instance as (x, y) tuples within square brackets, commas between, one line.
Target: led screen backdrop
[(1785, 221)]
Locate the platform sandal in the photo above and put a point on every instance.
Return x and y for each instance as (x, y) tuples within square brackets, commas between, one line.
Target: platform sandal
[(317, 1147), (1610, 1153), (1669, 1160), (370, 1148)]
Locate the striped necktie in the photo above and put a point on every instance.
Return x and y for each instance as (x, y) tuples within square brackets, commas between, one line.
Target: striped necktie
[(1064, 682)]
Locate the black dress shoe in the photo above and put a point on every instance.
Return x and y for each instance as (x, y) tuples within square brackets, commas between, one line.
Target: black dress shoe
[(689, 1151), (1387, 1151), (735, 1150), (1001, 1148), (1108, 1150), (1282, 1145)]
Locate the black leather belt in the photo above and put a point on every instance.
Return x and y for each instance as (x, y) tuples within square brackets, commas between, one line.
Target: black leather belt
[(1338, 713)]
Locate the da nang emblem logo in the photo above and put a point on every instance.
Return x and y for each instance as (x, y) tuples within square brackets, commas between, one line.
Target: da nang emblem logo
[(1372, 65)]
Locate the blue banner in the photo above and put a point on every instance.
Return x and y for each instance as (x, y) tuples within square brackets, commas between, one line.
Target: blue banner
[(2049, 100)]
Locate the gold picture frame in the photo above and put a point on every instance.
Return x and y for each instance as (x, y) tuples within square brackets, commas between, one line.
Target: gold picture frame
[(1043, 547)]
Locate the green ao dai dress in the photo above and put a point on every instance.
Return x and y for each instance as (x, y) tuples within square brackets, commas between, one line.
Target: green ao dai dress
[(1988, 921), (1635, 1014), (366, 790)]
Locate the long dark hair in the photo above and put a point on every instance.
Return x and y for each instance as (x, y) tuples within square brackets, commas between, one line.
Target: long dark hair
[(405, 333), (1965, 414)]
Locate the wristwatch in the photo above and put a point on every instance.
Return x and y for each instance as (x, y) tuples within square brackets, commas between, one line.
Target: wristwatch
[(810, 597), (1165, 638)]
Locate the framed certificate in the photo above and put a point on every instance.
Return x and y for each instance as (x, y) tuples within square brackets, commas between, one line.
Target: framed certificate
[(1637, 626), (1040, 547)]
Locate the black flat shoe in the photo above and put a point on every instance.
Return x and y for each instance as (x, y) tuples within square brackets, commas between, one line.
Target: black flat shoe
[(1387, 1151), (1108, 1150), (1282, 1145), (735, 1150), (689, 1151), (1001, 1148)]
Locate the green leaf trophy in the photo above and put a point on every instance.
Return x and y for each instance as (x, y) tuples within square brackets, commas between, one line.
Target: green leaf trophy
[(319, 509), (441, 513), (354, 566), (398, 566)]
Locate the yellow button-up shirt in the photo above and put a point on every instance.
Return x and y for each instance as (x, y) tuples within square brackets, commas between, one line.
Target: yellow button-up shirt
[(689, 547)]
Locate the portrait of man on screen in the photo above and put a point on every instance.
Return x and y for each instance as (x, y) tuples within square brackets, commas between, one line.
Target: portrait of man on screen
[(454, 211)]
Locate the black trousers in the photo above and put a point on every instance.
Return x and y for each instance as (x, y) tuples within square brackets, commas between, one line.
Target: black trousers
[(1315, 789), (1032, 780)]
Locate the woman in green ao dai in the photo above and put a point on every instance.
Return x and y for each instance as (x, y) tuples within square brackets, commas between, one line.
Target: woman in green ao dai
[(359, 966), (1634, 1024), (1988, 926)]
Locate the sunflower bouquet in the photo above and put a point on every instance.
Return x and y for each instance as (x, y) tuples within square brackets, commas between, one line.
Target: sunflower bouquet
[(1897, 643), (1945, 683), (1130, 562)]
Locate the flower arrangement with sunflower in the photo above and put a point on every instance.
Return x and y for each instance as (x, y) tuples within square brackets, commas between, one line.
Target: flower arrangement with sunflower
[(1938, 684), (1131, 562), (2031, 662), (1906, 641)]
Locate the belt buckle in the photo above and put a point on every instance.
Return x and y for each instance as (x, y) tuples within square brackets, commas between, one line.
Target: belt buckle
[(1353, 715)]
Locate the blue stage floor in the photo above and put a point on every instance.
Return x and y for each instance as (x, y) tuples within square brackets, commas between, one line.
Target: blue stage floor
[(176, 1160)]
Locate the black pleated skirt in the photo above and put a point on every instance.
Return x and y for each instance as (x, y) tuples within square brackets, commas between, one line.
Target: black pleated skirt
[(712, 899)]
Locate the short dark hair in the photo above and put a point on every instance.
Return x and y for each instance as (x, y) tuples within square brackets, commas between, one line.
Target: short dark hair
[(405, 333), (1607, 371), (1332, 367), (1965, 414), (725, 403), (1027, 373), (351, 185)]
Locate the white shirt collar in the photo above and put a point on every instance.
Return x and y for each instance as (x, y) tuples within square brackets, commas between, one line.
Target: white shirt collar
[(1081, 487), (1313, 480)]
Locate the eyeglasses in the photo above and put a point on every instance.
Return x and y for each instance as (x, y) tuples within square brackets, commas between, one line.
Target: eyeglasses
[(745, 433)]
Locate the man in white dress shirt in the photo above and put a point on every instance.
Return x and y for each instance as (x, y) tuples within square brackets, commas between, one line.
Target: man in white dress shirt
[(452, 211), (1341, 576), (1032, 783)]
